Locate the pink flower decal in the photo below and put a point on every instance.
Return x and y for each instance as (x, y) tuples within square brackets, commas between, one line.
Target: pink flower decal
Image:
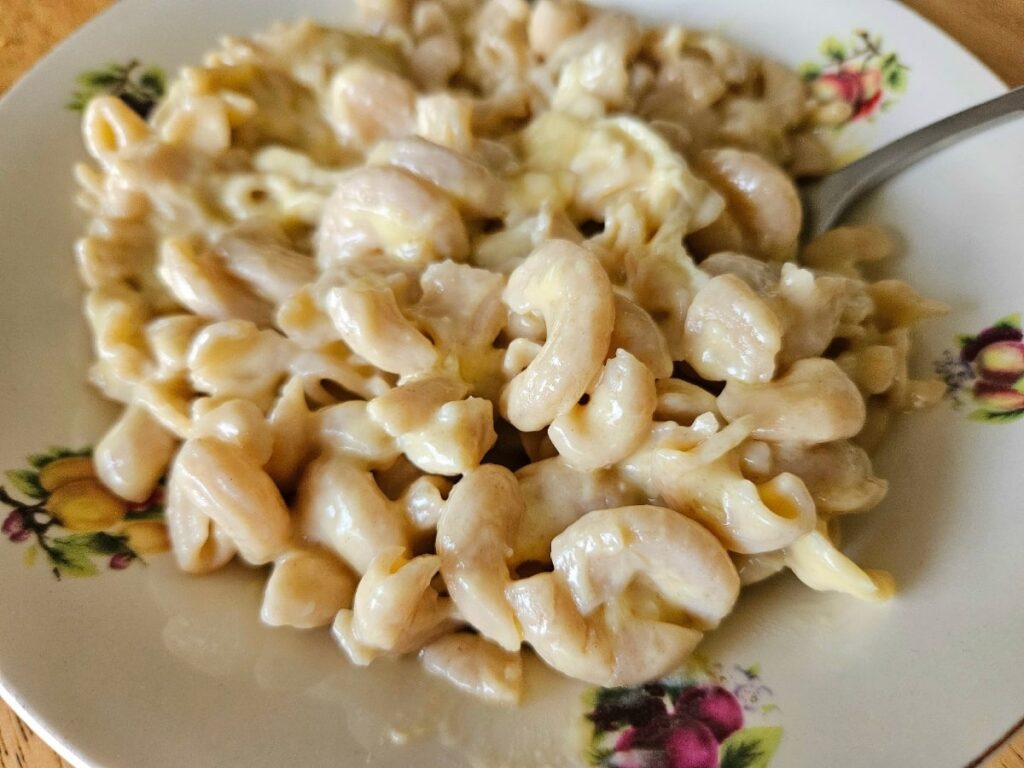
[(714, 706), (857, 79), (988, 371), (691, 744), (698, 719)]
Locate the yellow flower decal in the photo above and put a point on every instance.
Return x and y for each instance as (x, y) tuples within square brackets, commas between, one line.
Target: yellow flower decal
[(66, 494)]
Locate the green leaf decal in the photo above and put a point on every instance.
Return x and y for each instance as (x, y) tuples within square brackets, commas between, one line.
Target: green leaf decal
[(1010, 321), (895, 78), (600, 755), (71, 558), (139, 89), (833, 48), (27, 482), (152, 512), (40, 460), (751, 747), (154, 80), (96, 543), (100, 79), (995, 417), (1006, 417), (808, 70)]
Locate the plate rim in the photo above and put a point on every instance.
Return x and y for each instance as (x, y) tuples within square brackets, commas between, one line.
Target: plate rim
[(28, 80)]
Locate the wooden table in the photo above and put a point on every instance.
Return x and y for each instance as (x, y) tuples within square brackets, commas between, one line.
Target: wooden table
[(992, 29)]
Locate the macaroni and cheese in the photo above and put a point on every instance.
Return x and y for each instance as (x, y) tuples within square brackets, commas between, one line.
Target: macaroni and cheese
[(486, 325)]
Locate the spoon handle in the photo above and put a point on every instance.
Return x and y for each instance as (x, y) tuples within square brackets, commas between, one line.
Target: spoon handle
[(827, 199)]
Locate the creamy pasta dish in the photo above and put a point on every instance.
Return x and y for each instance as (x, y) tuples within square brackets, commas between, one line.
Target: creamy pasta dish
[(486, 327)]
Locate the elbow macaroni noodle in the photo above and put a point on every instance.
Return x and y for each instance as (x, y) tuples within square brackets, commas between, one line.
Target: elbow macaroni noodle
[(339, 278)]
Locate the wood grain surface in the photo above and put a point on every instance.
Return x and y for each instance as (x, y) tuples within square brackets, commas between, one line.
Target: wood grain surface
[(992, 29)]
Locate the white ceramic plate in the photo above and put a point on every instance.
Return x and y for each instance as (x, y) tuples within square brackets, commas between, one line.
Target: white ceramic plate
[(146, 667)]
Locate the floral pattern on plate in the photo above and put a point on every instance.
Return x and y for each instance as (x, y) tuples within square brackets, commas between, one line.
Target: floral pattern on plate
[(137, 86), (858, 78), (706, 716), (72, 519), (987, 370)]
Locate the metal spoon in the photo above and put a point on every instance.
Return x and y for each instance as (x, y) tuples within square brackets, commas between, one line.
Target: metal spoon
[(827, 198)]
